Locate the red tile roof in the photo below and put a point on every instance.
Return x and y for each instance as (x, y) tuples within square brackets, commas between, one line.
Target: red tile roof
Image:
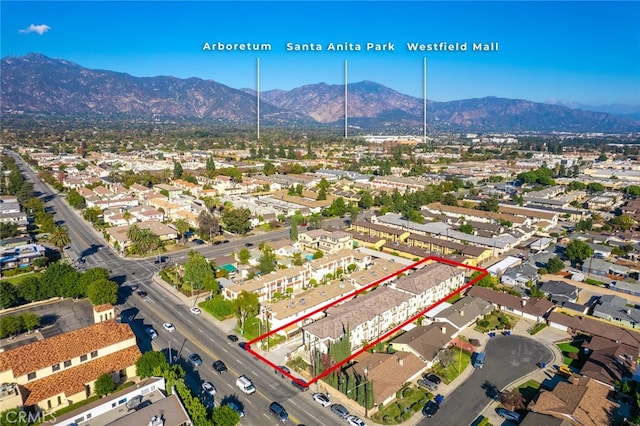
[(63, 347)]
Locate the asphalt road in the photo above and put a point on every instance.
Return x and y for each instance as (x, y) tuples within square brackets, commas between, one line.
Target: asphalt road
[(193, 333), (508, 358)]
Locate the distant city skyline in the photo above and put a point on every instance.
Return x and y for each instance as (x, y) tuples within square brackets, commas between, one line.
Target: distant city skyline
[(580, 52)]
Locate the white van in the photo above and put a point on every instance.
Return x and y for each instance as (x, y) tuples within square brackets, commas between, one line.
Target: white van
[(245, 385)]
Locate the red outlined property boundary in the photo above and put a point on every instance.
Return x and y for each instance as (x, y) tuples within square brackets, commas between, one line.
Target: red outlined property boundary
[(483, 273)]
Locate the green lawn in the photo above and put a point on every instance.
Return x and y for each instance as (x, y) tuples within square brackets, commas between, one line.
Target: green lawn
[(18, 278), (460, 360), (494, 324), (402, 408), (569, 348)]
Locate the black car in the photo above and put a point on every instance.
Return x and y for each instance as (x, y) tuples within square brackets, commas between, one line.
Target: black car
[(433, 378), (195, 359), (278, 410), (220, 367), (142, 293), (282, 368), (339, 410), (430, 408), (232, 337)]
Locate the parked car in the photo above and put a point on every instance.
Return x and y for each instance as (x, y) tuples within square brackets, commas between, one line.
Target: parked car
[(355, 421), (151, 333), (283, 368), (508, 415), (430, 408), (433, 378), (195, 311), (195, 359), (220, 367), (278, 410), (232, 337), (169, 327), (339, 410), (428, 384), (321, 399), (300, 384), (235, 407), (208, 388)]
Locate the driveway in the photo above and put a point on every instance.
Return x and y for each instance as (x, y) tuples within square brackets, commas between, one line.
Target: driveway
[(508, 358)]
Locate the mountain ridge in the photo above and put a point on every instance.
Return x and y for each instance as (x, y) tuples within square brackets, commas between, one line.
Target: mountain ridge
[(36, 83)]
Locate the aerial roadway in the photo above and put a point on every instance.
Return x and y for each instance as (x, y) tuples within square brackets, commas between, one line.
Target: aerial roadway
[(193, 333)]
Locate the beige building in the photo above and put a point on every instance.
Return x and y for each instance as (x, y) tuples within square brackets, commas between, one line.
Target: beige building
[(61, 370)]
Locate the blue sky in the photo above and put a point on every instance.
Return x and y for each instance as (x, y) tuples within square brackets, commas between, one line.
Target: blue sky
[(586, 52)]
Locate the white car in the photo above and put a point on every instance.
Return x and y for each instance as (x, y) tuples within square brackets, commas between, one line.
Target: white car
[(169, 327), (355, 421), (208, 388), (195, 311), (321, 399)]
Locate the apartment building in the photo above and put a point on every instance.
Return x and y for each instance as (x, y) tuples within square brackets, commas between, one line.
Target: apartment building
[(61, 370), (327, 241)]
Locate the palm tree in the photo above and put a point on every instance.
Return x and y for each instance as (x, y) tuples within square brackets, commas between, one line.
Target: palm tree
[(182, 226), (127, 216), (60, 237)]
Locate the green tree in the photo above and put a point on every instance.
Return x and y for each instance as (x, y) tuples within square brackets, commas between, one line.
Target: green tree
[(207, 224), (297, 259), (29, 289), (60, 237), (14, 417), (244, 255), (104, 385), (10, 325), (293, 231), (595, 187), (183, 227), (92, 214), (75, 199), (8, 230), (177, 170), (196, 270), (224, 415), (237, 221), (322, 195), (267, 262), (467, 229), (623, 222), (8, 295), (633, 190), (488, 281), (31, 321), (269, 169), (102, 292), (489, 205), (318, 254), (555, 265), (211, 167), (577, 251), (246, 305), (366, 200), (150, 364), (450, 199)]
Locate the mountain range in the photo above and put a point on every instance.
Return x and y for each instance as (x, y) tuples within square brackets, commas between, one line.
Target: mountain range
[(37, 84)]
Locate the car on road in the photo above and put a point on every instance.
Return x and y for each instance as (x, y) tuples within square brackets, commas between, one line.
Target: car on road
[(432, 378), (195, 311), (225, 242), (169, 327), (430, 408), (235, 407), (151, 333), (248, 244), (142, 293), (133, 287), (220, 367), (355, 421), (339, 410), (282, 368), (195, 359), (208, 388), (278, 410), (232, 337), (321, 399), (508, 415), (217, 243), (428, 384)]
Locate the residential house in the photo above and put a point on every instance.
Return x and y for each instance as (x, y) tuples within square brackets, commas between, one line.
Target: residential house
[(581, 324), (269, 285), (521, 275), (21, 256), (380, 231), (284, 247), (119, 234), (172, 191), (425, 342), (387, 372), (382, 271), (603, 268), (327, 241), (615, 309), (581, 401), (61, 370), (609, 362), (560, 292), (533, 308), (463, 313)]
